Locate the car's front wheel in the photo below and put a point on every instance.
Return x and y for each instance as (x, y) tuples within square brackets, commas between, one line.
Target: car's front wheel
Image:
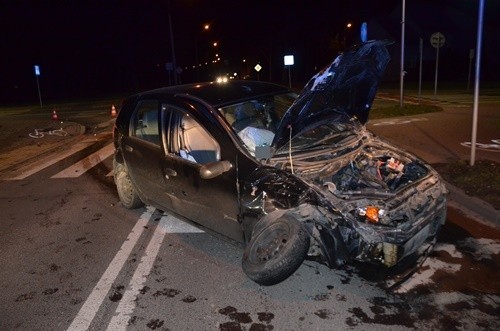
[(276, 250), (126, 189)]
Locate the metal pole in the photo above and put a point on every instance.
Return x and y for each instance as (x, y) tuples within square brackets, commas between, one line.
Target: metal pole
[(476, 87), (471, 57), (39, 94), (172, 44), (437, 64), (289, 78), (401, 101), (420, 70)]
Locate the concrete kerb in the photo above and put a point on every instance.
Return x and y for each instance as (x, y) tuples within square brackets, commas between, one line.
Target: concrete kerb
[(473, 207)]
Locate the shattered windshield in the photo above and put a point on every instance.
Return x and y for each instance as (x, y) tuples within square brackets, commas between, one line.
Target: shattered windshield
[(255, 121)]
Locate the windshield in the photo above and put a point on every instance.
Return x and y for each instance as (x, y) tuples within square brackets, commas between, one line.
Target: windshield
[(255, 121), (328, 135)]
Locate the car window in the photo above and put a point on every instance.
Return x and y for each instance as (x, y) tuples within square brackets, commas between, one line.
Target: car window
[(145, 122), (190, 140)]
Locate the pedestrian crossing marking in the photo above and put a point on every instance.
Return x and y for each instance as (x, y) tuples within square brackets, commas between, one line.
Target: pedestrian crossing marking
[(30, 169), (82, 166)]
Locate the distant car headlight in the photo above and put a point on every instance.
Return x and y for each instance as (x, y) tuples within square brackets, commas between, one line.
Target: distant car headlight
[(222, 79)]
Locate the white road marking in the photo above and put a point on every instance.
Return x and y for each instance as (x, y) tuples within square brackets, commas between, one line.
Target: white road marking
[(399, 121), (94, 301), (128, 302), (168, 224), (87, 163), (177, 226), (32, 169)]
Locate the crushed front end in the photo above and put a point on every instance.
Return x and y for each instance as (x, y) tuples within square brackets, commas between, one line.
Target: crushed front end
[(391, 204)]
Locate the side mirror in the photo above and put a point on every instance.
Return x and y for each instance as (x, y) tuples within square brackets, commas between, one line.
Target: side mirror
[(214, 169)]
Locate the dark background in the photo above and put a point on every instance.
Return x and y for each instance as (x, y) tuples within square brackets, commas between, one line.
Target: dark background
[(101, 48)]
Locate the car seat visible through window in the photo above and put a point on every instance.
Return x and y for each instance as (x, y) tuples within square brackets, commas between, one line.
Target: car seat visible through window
[(197, 143)]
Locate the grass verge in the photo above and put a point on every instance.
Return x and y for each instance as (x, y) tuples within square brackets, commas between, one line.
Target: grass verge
[(482, 180), (406, 110)]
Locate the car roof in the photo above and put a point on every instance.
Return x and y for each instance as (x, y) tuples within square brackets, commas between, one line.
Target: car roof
[(220, 94)]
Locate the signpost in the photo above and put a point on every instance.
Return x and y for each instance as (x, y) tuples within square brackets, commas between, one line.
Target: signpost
[(289, 62), (37, 73), (258, 68), (437, 41), (471, 57)]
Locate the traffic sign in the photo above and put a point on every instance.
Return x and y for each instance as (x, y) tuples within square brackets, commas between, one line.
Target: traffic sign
[(437, 40)]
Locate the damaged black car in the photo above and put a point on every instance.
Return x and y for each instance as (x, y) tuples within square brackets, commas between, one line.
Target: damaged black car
[(290, 177)]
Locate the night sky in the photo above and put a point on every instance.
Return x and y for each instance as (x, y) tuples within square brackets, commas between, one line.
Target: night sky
[(102, 48)]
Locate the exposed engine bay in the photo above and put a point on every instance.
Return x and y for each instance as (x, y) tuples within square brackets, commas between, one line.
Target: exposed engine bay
[(377, 190)]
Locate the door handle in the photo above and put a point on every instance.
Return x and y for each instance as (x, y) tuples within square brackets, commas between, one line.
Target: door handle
[(169, 172), (129, 148)]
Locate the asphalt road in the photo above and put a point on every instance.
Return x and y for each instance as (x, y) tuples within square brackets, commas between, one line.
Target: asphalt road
[(73, 258)]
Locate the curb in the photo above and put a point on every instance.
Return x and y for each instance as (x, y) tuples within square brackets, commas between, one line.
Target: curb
[(474, 207)]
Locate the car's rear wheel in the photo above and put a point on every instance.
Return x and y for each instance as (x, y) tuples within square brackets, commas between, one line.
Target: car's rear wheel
[(126, 189), (276, 250)]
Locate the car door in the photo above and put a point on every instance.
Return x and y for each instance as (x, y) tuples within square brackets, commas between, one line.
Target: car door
[(212, 203), (143, 153)]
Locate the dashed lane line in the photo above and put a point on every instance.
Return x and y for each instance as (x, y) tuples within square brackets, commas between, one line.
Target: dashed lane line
[(87, 163)]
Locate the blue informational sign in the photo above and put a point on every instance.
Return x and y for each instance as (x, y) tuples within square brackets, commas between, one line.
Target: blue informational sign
[(37, 70), (364, 32)]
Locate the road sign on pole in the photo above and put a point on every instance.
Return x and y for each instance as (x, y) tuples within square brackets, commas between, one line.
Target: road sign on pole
[(437, 41), (258, 68), (37, 73), (288, 59)]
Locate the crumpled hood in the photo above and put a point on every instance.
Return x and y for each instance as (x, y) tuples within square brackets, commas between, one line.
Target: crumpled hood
[(342, 91)]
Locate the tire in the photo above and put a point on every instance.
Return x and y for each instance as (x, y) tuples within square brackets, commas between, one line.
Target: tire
[(126, 189), (276, 250)]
